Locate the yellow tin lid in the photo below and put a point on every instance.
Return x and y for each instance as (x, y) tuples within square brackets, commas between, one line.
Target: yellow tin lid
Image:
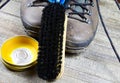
[(19, 52)]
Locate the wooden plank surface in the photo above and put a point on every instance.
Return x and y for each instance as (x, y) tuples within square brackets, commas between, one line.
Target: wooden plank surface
[(97, 64)]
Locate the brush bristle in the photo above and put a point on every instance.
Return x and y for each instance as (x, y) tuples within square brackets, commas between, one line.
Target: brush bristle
[(51, 42)]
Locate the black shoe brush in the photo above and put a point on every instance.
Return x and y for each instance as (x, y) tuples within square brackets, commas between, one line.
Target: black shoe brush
[(52, 37)]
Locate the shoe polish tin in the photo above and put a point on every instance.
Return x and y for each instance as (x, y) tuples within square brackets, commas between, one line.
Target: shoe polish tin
[(19, 53)]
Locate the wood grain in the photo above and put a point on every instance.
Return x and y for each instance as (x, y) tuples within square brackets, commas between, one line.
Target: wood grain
[(97, 64)]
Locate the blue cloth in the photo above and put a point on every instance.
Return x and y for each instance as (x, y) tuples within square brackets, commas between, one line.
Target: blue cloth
[(57, 1)]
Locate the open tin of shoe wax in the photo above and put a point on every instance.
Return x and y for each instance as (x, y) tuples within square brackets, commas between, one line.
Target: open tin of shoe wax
[(19, 52)]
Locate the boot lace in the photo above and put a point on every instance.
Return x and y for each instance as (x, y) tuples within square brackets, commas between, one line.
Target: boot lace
[(81, 14)]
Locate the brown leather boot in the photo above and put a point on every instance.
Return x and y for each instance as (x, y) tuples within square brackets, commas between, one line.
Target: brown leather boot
[(82, 21), (82, 24), (31, 16)]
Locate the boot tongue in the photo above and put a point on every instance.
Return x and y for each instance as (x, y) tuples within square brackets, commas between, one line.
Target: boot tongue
[(78, 8)]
